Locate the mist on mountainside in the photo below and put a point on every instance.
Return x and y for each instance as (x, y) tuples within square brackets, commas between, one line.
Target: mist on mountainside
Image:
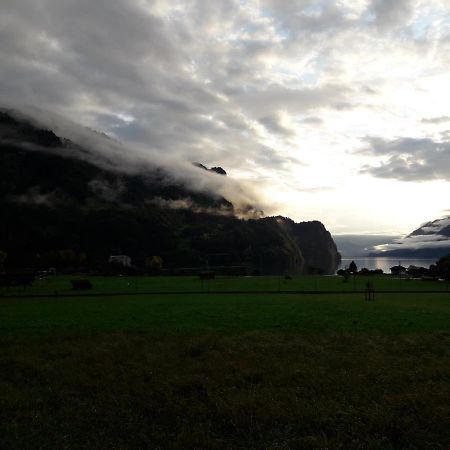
[(61, 136), (64, 198)]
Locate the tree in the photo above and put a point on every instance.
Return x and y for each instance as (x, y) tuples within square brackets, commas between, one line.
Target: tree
[(352, 268), (443, 267), (154, 263)]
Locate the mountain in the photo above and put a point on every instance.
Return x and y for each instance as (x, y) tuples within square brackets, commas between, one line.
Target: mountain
[(438, 227), (353, 245), (218, 170), (430, 240), (66, 203)]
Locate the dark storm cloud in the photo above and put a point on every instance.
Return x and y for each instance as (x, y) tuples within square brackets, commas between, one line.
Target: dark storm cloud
[(409, 159)]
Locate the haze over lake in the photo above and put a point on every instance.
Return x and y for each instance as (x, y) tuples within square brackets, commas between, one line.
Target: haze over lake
[(358, 247)]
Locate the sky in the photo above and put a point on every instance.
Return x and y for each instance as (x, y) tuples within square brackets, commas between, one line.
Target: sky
[(331, 110)]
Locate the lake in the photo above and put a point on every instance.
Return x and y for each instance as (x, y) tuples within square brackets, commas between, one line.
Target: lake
[(385, 264)]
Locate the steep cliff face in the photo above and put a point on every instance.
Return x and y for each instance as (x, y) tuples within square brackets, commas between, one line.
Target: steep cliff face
[(56, 203), (275, 248), (317, 246)]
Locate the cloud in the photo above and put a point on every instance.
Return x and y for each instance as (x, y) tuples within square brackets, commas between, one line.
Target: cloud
[(436, 120), (438, 226), (239, 84), (274, 123), (277, 97), (313, 120), (193, 78), (409, 159), (419, 242), (390, 14), (35, 196), (305, 17), (188, 203), (106, 190), (112, 154)]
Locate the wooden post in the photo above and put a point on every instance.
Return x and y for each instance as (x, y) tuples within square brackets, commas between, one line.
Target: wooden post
[(369, 293)]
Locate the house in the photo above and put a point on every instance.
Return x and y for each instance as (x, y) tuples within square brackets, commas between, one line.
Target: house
[(398, 270), (122, 260)]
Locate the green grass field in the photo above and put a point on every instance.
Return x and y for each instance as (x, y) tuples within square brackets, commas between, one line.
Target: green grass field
[(247, 371), (61, 284)]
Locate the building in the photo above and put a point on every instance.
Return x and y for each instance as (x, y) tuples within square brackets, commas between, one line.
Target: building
[(122, 260), (398, 270)]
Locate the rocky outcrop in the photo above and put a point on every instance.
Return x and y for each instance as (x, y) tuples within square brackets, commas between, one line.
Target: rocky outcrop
[(217, 170)]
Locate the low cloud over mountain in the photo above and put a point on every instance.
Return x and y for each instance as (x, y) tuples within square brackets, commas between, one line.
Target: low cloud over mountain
[(82, 143), (77, 192), (430, 239)]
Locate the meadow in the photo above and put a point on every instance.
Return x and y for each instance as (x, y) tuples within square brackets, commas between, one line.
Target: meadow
[(61, 285), (226, 371)]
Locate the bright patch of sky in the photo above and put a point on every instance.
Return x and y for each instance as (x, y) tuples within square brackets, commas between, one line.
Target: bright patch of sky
[(431, 22)]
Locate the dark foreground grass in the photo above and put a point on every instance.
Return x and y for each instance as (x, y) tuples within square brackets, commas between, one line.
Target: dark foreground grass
[(243, 391), (226, 372)]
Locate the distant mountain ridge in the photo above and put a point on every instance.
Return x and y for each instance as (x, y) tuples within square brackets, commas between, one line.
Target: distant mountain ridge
[(439, 227), (62, 207), (430, 240)]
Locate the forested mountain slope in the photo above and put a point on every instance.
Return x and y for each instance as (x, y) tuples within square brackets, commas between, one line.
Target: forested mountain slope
[(61, 207)]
